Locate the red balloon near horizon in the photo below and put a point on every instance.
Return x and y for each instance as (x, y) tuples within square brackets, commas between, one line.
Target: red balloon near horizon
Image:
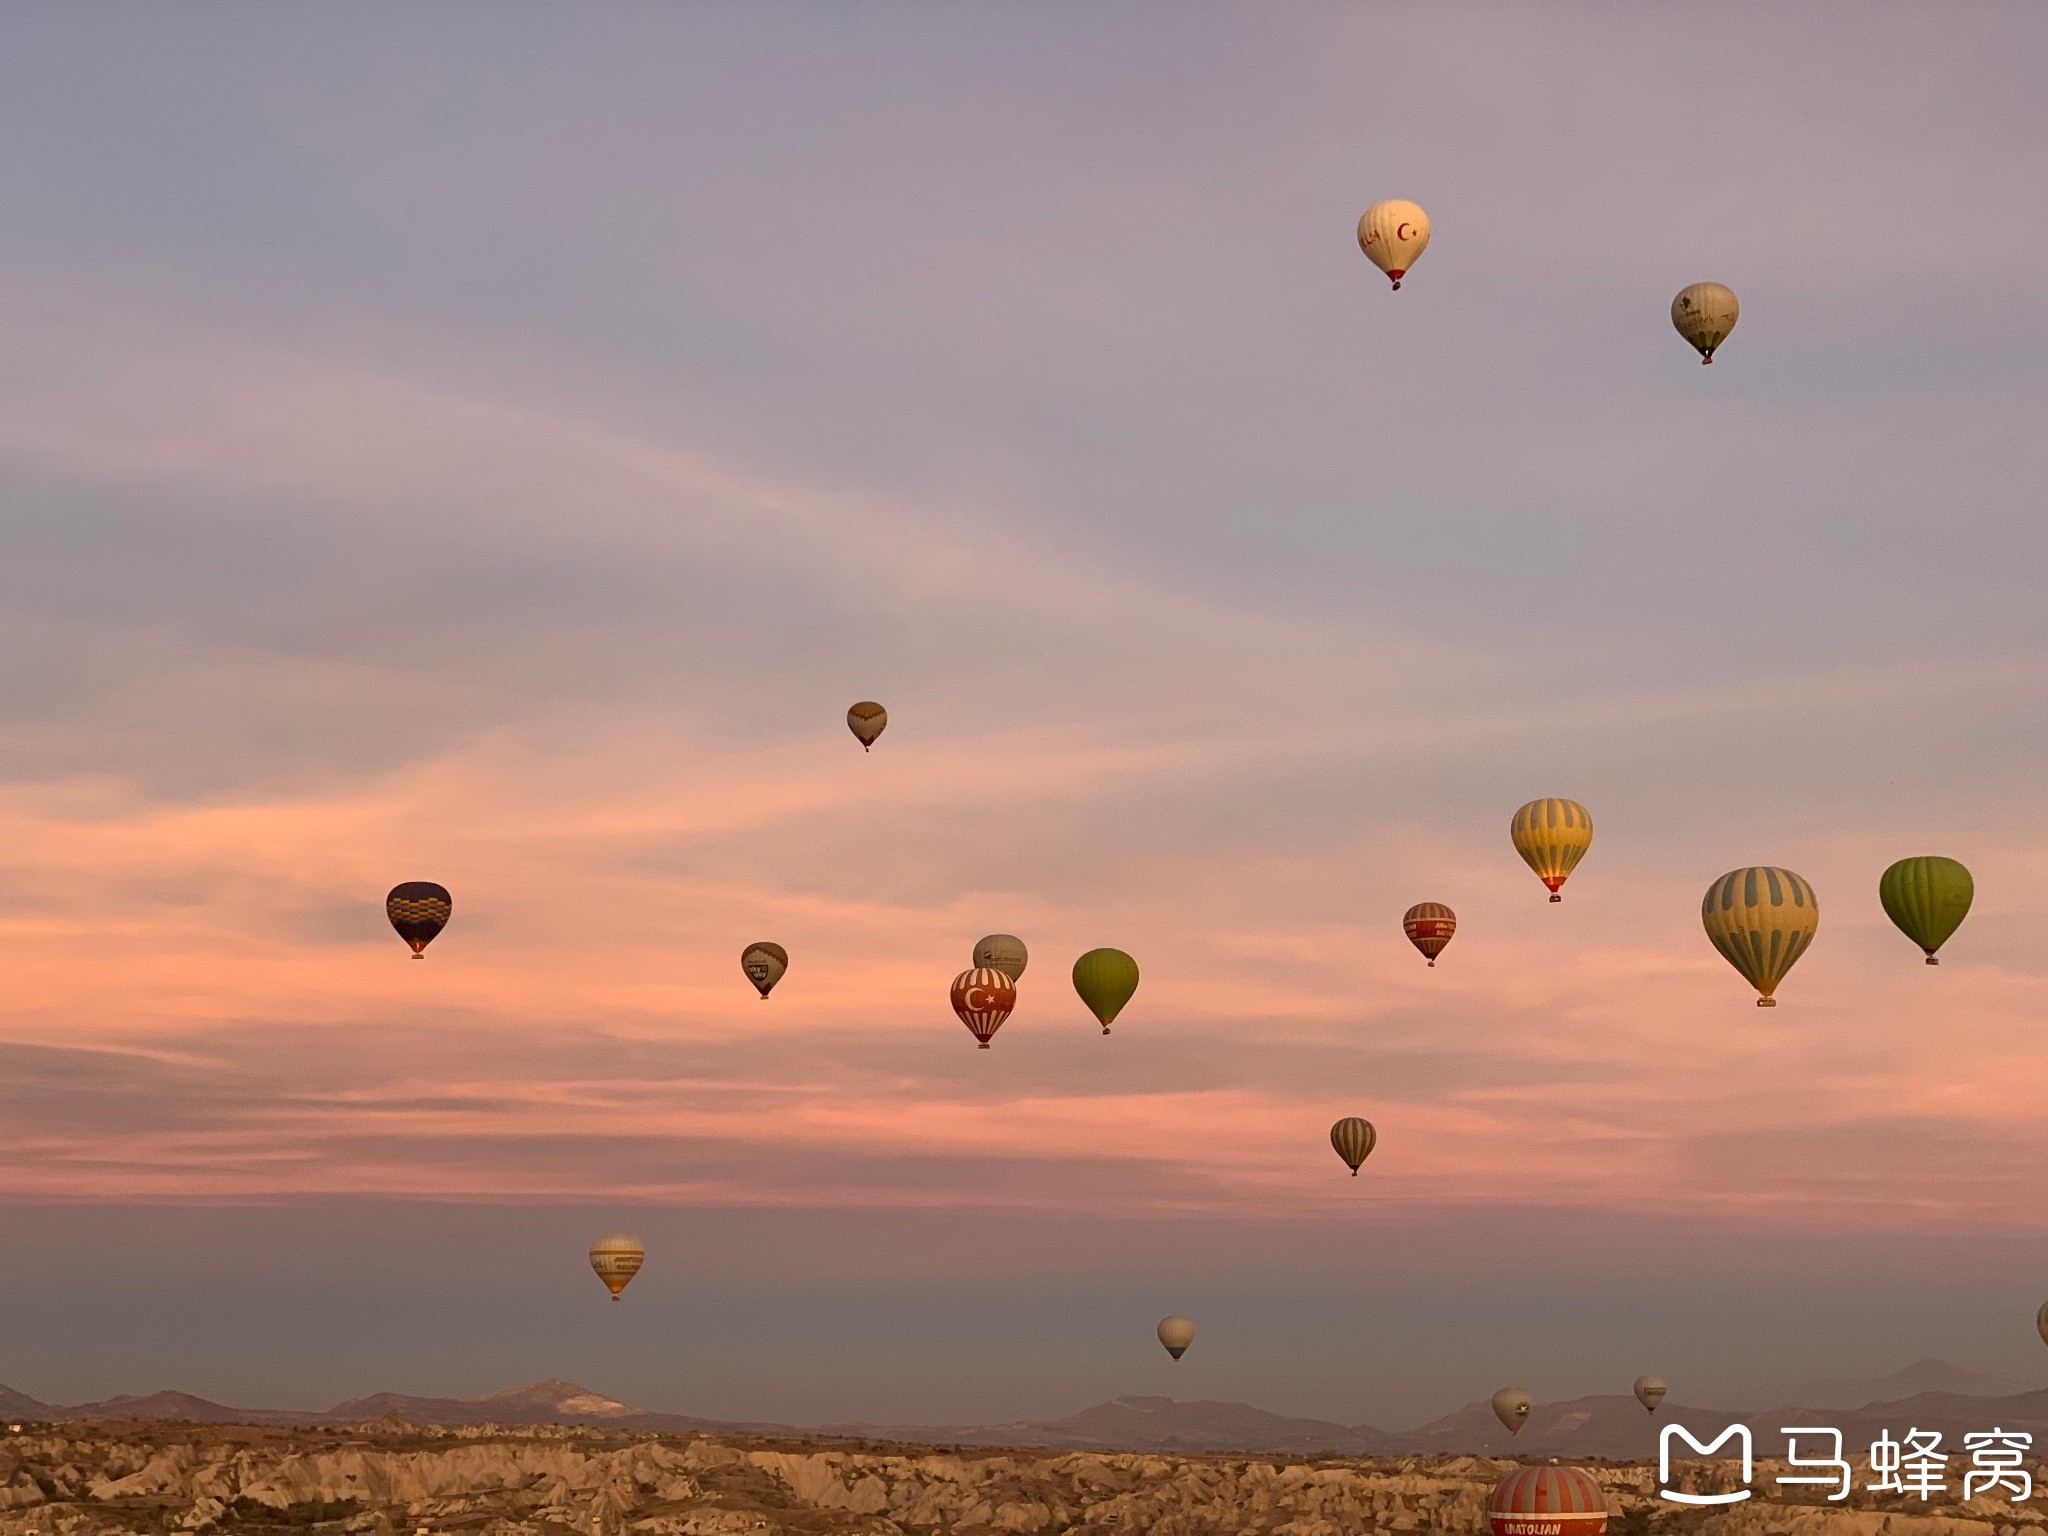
[(1547, 1501), (983, 998), (1429, 926)]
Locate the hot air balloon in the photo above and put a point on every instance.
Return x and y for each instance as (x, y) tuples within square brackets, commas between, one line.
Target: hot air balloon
[(1429, 926), (1650, 1392), (1105, 978), (983, 998), (867, 720), (764, 964), (418, 909), (1761, 920), (1704, 314), (1552, 836), (2041, 1322), (1003, 952), (1927, 898), (1393, 234), (1511, 1406), (1176, 1333), (617, 1258), (1547, 1501), (1353, 1138)]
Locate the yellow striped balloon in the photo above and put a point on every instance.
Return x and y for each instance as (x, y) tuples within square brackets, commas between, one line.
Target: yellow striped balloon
[(1762, 920), (1552, 836), (1354, 1140), (617, 1258)]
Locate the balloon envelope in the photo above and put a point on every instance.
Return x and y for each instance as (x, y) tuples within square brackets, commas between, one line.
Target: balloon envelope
[(1705, 313), (1105, 978), (1176, 1333), (1552, 835), (1650, 1392), (617, 1258), (1547, 1501), (1927, 898), (764, 963), (1429, 926), (867, 720), (1761, 920), (1003, 952), (1392, 234), (1354, 1139), (983, 998), (1511, 1405), (418, 909), (2041, 1322)]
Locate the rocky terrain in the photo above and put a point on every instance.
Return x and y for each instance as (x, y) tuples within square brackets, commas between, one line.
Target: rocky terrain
[(1611, 1427), (390, 1478)]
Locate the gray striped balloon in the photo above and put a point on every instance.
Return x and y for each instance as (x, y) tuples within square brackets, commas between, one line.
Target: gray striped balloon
[(1353, 1138)]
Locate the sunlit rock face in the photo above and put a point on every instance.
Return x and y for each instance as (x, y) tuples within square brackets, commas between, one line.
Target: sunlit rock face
[(395, 1479)]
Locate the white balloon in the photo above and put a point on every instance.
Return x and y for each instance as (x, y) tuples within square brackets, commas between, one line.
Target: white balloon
[(1705, 313), (1393, 234), (1176, 1333)]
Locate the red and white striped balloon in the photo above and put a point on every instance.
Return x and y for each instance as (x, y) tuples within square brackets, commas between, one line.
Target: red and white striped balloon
[(1547, 1501), (983, 998), (1429, 926)]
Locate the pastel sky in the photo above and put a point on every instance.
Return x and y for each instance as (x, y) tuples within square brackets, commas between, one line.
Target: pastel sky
[(494, 444)]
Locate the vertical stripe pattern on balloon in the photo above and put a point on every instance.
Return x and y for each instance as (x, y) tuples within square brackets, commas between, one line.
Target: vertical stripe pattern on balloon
[(1761, 919), (1552, 835)]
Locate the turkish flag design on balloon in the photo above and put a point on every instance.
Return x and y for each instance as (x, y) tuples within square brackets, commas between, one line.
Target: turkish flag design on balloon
[(983, 998)]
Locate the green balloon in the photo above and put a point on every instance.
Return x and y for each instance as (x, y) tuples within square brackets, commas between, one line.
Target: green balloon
[(1928, 898), (1105, 978)]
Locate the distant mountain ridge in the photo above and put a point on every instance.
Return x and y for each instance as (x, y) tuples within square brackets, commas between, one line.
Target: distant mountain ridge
[(1921, 1376), (1614, 1427)]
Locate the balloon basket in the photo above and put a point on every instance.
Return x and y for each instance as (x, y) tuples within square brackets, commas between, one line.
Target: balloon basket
[(1932, 961), (1767, 1002)]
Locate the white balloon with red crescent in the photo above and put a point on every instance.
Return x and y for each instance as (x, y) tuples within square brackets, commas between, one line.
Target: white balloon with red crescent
[(1392, 235), (983, 997)]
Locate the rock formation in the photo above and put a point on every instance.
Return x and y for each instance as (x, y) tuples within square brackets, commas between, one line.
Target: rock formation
[(390, 1478)]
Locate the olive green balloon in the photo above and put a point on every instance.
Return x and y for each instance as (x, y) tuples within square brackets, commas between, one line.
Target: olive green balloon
[(1928, 898), (1105, 978)]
